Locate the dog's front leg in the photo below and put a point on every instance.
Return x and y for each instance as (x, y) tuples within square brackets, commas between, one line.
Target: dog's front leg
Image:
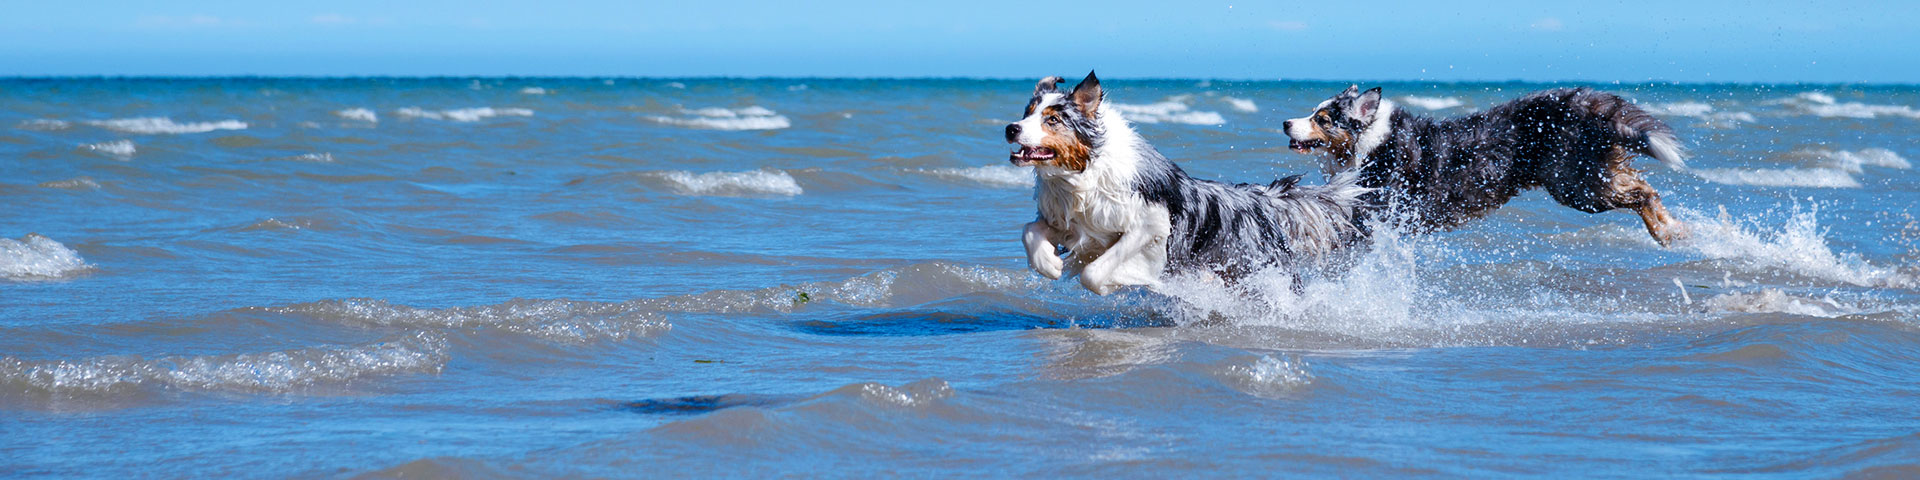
[(1041, 253), (1125, 263)]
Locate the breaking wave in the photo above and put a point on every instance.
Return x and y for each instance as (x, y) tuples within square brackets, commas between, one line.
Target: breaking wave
[(269, 372), (1824, 105), (1433, 103), (1798, 247), (157, 125), (750, 118), (44, 124), (1173, 110), (534, 91), (1779, 177), (1773, 300), (361, 114), (553, 320), (995, 175), (1241, 104), (1701, 111), (752, 182), (35, 257), (464, 114), (117, 149)]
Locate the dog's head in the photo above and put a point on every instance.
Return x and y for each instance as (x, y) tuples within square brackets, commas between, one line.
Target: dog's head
[(1059, 128), (1337, 124)]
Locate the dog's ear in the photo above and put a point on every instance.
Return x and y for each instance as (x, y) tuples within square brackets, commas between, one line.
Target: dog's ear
[(1049, 84), (1352, 91), (1364, 106), (1087, 94)]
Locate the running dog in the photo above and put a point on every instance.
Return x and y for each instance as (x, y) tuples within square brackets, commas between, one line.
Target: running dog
[(1125, 215), (1574, 142)]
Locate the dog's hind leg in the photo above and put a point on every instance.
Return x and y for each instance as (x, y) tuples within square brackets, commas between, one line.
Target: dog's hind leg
[(1628, 190)]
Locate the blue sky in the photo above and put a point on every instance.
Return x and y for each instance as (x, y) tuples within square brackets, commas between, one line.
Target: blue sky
[(1761, 41)]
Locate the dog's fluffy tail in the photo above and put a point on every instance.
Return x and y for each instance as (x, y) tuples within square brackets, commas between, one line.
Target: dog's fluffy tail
[(1318, 218), (1632, 127)]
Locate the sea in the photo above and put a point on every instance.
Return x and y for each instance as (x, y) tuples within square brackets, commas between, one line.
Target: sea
[(640, 277)]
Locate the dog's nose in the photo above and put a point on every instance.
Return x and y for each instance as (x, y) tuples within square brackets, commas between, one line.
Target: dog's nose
[(1013, 132), (1286, 126)]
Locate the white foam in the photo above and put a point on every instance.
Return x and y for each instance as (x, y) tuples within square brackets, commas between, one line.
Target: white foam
[(155, 125), (1824, 105), (716, 118), (1773, 300), (45, 124), (752, 182), (464, 114), (1701, 111), (360, 114), (553, 320), (1170, 111), (1378, 295), (36, 257), (996, 175), (1855, 161), (317, 157), (1241, 104), (1798, 246), (534, 91), (1432, 103), (266, 372), (76, 183), (1779, 177), (1271, 377), (118, 149)]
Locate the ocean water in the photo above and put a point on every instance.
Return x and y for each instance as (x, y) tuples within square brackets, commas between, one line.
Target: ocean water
[(537, 277)]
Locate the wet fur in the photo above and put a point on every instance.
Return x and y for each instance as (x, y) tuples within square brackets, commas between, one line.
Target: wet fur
[(1125, 215), (1576, 143)]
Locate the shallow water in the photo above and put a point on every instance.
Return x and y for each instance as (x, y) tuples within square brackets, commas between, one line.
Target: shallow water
[(624, 277)]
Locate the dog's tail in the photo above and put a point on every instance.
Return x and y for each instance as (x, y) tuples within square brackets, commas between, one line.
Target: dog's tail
[(1318, 218), (1633, 127)]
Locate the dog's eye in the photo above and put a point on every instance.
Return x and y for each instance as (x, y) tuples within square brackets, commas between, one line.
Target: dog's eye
[(1323, 120), (1053, 120)]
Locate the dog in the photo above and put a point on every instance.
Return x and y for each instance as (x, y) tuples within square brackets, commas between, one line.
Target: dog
[(1125, 215), (1574, 142)]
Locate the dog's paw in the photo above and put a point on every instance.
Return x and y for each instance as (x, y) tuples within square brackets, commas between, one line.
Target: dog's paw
[(1097, 286), (1047, 266)]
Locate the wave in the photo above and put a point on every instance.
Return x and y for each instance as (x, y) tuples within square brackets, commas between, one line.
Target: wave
[(317, 157), (996, 175), (1797, 246), (266, 372), (361, 114), (1856, 161), (35, 257), (1773, 300), (750, 118), (76, 183), (156, 125), (1170, 111), (752, 182), (1270, 377), (44, 124), (1433, 103), (1824, 105), (117, 149), (553, 320), (1241, 104), (464, 114), (534, 91), (1779, 177), (1701, 111)]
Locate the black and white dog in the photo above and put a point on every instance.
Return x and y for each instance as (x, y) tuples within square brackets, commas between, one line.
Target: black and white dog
[(1574, 142), (1125, 215)]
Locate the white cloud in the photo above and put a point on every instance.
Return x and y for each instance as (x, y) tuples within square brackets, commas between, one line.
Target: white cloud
[(1288, 25), (1548, 24)]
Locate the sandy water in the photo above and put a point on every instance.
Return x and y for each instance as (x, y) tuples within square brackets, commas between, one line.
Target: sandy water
[(644, 277)]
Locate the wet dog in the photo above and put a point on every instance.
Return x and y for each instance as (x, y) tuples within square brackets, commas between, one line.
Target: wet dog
[(1574, 142), (1117, 213)]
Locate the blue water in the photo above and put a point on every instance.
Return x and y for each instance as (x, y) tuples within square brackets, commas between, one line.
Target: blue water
[(537, 277)]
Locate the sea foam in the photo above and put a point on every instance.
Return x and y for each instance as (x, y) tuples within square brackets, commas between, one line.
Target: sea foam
[(35, 257), (117, 149), (1797, 246), (1170, 111), (752, 182), (995, 175), (1701, 111), (45, 124), (1241, 104), (158, 125), (1779, 177), (1432, 103), (464, 114), (1824, 105), (715, 118), (265, 372), (361, 114)]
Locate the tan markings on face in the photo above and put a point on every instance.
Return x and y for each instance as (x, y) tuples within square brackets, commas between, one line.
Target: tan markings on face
[(1339, 141), (1069, 152)]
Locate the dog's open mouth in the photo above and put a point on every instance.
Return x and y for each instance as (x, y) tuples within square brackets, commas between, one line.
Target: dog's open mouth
[(1024, 155), (1304, 146)]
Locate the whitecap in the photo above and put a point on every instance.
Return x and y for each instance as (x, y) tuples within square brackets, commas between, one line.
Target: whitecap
[(752, 182), (1779, 177), (155, 125), (1270, 376), (750, 118), (35, 257), (1241, 104), (117, 149), (76, 183), (45, 124), (1170, 111), (1798, 246), (361, 114), (317, 157), (534, 91), (265, 372), (464, 114), (553, 320), (1824, 105), (1856, 161), (995, 175), (1701, 111), (678, 85), (1432, 103), (1773, 300)]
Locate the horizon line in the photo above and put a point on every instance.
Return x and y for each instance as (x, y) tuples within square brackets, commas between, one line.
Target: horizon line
[(925, 77)]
